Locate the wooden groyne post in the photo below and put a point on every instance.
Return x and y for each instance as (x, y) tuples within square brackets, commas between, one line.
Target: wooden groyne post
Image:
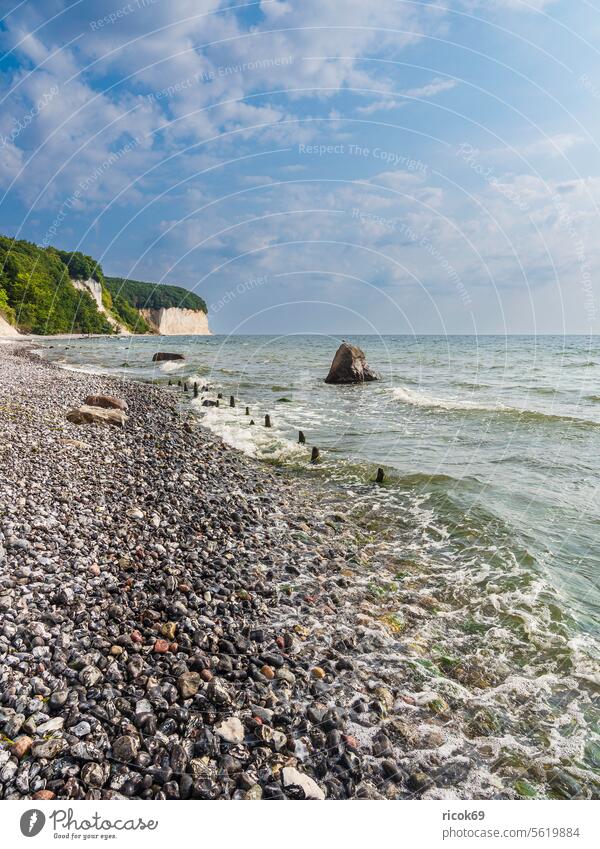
[(301, 438), (380, 475), (315, 455), (267, 420)]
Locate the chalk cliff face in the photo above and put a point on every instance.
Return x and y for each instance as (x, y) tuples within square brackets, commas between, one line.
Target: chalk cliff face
[(173, 321), (7, 329), (95, 290)]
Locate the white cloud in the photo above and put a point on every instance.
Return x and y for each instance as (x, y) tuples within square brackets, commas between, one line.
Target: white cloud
[(428, 90), (555, 145)]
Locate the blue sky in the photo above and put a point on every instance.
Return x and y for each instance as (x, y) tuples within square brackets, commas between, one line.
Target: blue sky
[(391, 167)]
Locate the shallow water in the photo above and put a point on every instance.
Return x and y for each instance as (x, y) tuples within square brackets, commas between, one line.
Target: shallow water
[(491, 506)]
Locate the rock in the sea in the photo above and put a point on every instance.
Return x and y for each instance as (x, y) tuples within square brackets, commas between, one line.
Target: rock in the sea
[(162, 356), (96, 415), (293, 779), (350, 366), (109, 402)]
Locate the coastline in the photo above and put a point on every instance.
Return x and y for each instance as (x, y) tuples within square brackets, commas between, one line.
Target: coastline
[(144, 647), (114, 539)]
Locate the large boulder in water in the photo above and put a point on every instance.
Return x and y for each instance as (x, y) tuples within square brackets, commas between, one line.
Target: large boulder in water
[(162, 356), (350, 366)]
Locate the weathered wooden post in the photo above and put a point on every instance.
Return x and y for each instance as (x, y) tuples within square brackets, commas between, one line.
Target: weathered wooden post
[(380, 475), (195, 389), (220, 395), (315, 456), (267, 420), (170, 383), (247, 411), (217, 403), (301, 437), (251, 421), (185, 387), (231, 401)]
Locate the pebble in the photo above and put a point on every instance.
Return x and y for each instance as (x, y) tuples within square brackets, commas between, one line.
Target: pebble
[(231, 730), (268, 672), (188, 684), (22, 746), (293, 780), (125, 748)]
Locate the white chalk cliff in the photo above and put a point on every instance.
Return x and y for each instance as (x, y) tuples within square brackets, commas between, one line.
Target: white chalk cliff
[(7, 329), (95, 290), (174, 321)]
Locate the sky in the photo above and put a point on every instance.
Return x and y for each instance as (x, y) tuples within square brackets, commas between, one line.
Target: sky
[(310, 166)]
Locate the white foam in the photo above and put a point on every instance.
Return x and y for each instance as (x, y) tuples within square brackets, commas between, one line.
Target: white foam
[(171, 365), (420, 399), (233, 426)]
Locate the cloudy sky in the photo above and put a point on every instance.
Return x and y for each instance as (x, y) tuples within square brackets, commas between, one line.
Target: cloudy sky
[(387, 167)]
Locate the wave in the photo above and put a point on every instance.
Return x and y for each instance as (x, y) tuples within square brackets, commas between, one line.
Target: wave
[(420, 399), (171, 365), (466, 384)]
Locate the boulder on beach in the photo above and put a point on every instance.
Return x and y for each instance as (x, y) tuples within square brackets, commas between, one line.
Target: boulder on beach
[(163, 356), (96, 415), (109, 402), (350, 366)]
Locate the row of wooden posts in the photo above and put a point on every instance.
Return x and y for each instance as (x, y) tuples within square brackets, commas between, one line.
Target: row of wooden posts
[(315, 453)]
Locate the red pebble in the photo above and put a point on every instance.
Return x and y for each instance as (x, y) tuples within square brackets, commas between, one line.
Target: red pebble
[(280, 642), (351, 741), (161, 647), (43, 794), (136, 637)]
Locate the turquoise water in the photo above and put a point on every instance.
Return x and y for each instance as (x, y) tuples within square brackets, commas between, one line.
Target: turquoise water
[(491, 448)]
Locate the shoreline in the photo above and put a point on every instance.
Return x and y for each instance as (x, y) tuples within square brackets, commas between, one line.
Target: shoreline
[(144, 651), (113, 539)]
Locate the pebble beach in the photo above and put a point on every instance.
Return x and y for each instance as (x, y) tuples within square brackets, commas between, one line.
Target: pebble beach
[(142, 649), (180, 621)]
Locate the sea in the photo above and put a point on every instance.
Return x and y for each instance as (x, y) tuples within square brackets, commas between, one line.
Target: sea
[(490, 504)]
